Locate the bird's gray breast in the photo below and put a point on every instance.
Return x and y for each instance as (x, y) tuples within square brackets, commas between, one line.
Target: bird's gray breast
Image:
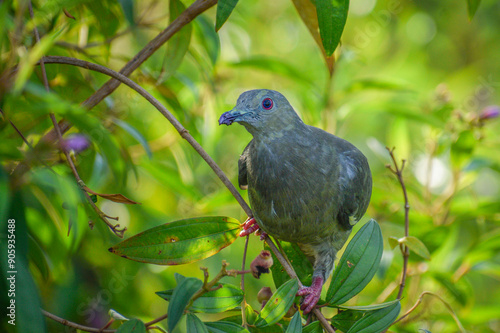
[(293, 189)]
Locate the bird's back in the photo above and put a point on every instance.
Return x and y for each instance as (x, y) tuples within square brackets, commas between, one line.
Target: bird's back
[(306, 186)]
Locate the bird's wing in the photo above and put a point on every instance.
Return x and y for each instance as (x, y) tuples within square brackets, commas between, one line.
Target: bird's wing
[(356, 184), (242, 168)]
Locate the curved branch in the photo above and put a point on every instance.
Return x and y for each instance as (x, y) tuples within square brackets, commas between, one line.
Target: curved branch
[(184, 133)]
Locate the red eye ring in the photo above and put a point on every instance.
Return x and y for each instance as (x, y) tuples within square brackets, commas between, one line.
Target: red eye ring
[(267, 103)]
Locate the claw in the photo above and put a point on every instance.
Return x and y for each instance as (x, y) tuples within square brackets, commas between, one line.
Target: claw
[(249, 227), (312, 294)]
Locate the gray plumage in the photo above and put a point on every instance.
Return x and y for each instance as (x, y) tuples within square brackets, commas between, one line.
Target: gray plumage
[(305, 185)]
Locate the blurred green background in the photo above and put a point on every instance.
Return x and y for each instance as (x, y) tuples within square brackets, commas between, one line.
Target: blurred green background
[(418, 76)]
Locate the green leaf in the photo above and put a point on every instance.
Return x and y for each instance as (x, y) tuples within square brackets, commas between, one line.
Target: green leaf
[(128, 10), (208, 38), (278, 304), (416, 245), (215, 301), (393, 242), (180, 242), (357, 265), (224, 327), (224, 9), (250, 314), (369, 307), (332, 16), (377, 321), (178, 45), (472, 6), (301, 264), (314, 327), (307, 11), (345, 319), (132, 326), (180, 299), (295, 325), (194, 324), (135, 134)]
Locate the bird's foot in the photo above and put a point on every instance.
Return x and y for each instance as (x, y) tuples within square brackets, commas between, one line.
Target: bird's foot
[(249, 227), (312, 294), (262, 235)]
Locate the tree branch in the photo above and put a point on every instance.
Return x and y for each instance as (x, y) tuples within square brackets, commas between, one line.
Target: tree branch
[(167, 114), (398, 172)]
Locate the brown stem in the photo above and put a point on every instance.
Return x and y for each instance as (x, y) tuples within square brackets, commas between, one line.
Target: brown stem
[(398, 172), (244, 302), (446, 304), (74, 325)]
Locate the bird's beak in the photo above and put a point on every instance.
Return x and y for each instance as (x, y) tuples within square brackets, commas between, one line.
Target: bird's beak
[(230, 117)]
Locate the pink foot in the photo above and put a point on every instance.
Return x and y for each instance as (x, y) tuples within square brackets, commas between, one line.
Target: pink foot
[(312, 294), (249, 227)]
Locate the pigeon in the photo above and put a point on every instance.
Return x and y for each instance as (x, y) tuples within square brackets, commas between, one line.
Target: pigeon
[(305, 185)]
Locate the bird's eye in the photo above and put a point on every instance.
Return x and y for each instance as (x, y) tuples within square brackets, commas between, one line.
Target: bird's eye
[(267, 104)]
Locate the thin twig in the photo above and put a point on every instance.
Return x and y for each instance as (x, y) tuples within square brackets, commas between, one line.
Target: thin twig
[(448, 307), (244, 302), (398, 172), (74, 325)]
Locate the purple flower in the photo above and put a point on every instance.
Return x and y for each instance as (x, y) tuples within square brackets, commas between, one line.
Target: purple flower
[(76, 142), (489, 112)]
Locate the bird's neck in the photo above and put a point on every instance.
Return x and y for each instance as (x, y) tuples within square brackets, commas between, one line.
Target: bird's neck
[(280, 129)]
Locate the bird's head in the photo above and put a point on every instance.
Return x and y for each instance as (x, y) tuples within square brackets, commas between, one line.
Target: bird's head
[(262, 111)]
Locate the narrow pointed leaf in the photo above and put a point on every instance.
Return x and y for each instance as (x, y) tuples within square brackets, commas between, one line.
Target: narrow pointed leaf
[(178, 45), (309, 16), (377, 321), (472, 6), (194, 324), (295, 325), (332, 16), (278, 304), (135, 134), (224, 327), (180, 242), (224, 9), (358, 264), (180, 299), (417, 247), (128, 10), (132, 326), (215, 301), (369, 307)]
